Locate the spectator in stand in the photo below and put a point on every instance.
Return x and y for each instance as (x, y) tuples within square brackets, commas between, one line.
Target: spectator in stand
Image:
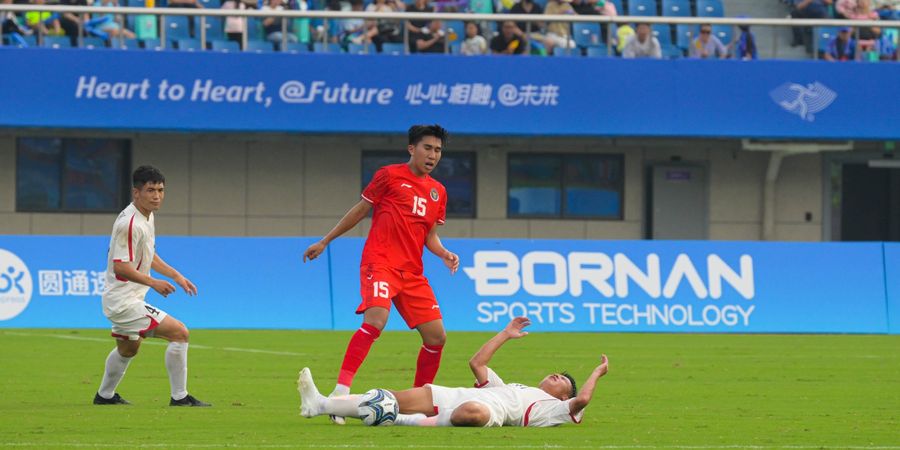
[(272, 26), (585, 8), (888, 9), (432, 41), (43, 22), (887, 49), (111, 26), (236, 26), (807, 9), (842, 47), (12, 26), (624, 33), (475, 43), (529, 7), (417, 27), (382, 31), (71, 22), (860, 10), (642, 44), (606, 8), (745, 46), (558, 33), (707, 46), (353, 31), (510, 41)]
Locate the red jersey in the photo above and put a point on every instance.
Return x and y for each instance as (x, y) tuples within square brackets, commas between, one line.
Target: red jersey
[(406, 208)]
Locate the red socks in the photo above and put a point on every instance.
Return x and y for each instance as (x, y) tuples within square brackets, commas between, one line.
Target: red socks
[(357, 350), (427, 364)]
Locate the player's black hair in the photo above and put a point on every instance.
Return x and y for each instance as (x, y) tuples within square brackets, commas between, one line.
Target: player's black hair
[(417, 132), (146, 174), (574, 387)]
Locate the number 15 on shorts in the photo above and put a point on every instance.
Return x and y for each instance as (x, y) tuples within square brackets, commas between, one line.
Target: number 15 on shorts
[(380, 289)]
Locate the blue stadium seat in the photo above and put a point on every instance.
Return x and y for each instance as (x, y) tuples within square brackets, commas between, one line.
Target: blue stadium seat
[(188, 45), (392, 49), (92, 43), (456, 47), (662, 32), (56, 42), (126, 44), (177, 27), (255, 29), (642, 7), (684, 34), (562, 51), (710, 8), (586, 34), (670, 51), (543, 3), (225, 46), (214, 29), (259, 47), (296, 47), (134, 3), (725, 33), (214, 4), (27, 41), (676, 8), (826, 34), (152, 44), (319, 47), (600, 51), (360, 49)]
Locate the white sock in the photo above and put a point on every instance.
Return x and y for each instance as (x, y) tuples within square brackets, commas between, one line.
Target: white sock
[(176, 365), (342, 405), (115, 370), (339, 390), (415, 420)]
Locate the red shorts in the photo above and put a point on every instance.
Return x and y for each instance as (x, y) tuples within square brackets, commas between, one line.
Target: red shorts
[(411, 294)]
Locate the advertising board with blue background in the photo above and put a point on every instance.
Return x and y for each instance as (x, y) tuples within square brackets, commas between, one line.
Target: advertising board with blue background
[(322, 93), (646, 286)]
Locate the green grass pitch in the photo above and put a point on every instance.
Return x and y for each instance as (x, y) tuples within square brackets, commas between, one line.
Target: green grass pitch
[(663, 391)]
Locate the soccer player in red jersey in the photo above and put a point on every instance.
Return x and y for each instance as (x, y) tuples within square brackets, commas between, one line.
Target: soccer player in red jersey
[(407, 204)]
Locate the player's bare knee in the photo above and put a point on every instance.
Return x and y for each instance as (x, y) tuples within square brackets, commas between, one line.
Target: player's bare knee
[(470, 414), (183, 335), (435, 339), (128, 351)]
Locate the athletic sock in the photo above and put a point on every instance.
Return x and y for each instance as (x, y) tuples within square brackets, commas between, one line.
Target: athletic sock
[(176, 365), (342, 406), (339, 390), (115, 370), (357, 350), (415, 420), (427, 364)]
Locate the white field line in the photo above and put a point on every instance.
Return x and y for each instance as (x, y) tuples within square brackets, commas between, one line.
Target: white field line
[(517, 446), (154, 342)]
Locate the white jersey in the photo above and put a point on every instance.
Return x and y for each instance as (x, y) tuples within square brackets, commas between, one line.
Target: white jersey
[(510, 404), (133, 241)]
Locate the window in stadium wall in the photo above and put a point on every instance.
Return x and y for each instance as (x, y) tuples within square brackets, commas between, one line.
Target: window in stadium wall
[(72, 175), (571, 186), (456, 171)]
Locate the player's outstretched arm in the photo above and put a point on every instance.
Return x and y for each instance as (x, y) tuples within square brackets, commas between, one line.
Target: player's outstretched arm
[(124, 270), (478, 363), (587, 389), (434, 245), (165, 269), (353, 217)]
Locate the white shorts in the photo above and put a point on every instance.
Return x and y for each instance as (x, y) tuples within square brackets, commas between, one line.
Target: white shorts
[(445, 400), (559, 41), (136, 321)]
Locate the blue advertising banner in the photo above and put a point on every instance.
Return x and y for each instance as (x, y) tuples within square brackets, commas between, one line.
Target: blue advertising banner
[(211, 91), (242, 283), (892, 284), (645, 286)]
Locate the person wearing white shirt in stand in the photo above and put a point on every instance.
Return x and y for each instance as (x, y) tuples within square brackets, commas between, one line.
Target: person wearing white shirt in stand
[(642, 44), (491, 403)]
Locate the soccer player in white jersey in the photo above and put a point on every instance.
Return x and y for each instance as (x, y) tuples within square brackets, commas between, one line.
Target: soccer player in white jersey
[(132, 249), (491, 403)]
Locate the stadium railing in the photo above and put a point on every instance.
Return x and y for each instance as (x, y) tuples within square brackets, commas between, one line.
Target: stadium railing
[(120, 12)]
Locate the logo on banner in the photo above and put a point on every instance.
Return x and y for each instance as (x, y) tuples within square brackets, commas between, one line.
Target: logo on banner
[(805, 101), (15, 285)]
